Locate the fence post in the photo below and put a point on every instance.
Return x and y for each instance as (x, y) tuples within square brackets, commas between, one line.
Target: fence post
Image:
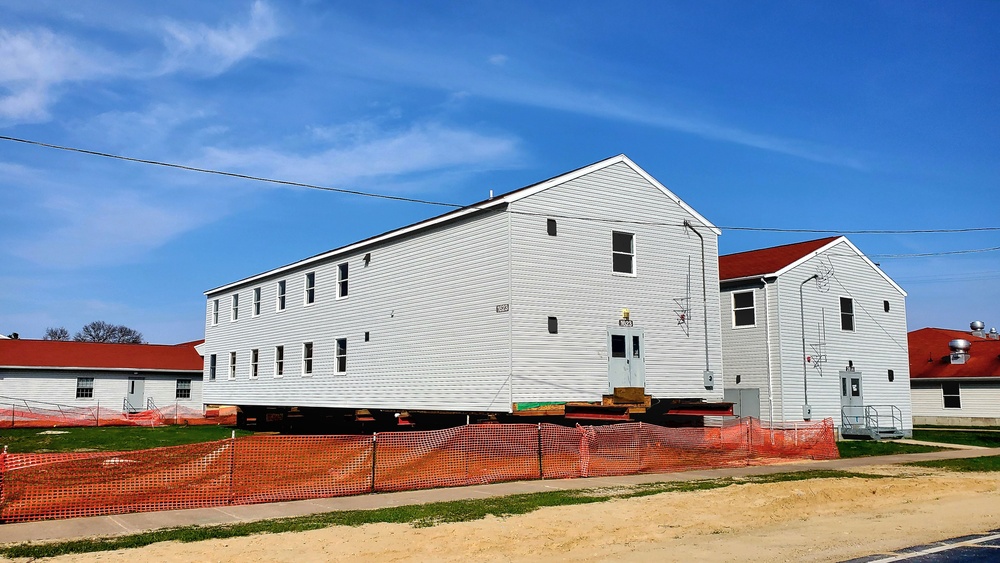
[(98, 413), (749, 439), (232, 465), (541, 468), (3, 475), (374, 449)]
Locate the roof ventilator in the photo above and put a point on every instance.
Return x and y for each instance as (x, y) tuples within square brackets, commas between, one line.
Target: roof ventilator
[(978, 328), (959, 351)]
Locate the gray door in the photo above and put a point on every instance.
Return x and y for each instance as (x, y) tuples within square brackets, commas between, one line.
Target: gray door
[(746, 402), (136, 388), (852, 397), (626, 358)]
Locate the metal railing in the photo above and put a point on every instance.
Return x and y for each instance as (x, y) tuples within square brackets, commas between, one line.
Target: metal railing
[(874, 421)]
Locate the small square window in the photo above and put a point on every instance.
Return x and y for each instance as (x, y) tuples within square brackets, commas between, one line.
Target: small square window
[(623, 252), (85, 388), (183, 389), (550, 226), (553, 325)]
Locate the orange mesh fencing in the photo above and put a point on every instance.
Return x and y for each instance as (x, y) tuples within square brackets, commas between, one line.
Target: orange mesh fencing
[(258, 469), (46, 415)]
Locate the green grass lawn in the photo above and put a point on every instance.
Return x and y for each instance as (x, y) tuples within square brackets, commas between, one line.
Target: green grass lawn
[(109, 439), (865, 448), (974, 465), (966, 437)]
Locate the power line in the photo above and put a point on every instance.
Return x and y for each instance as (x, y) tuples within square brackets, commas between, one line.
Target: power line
[(943, 253), (459, 206), (863, 231), (230, 174)]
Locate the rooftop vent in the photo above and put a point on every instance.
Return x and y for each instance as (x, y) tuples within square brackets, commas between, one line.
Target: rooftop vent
[(978, 328), (993, 334), (959, 351)]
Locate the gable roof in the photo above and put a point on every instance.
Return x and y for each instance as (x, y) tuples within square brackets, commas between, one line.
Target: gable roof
[(767, 261), (35, 354), (929, 347), (498, 202), (776, 260)]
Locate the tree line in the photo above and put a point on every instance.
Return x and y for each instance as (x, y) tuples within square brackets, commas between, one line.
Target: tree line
[(97, 331)]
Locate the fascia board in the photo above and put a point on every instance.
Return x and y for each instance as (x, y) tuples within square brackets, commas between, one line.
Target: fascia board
[(76, 368)]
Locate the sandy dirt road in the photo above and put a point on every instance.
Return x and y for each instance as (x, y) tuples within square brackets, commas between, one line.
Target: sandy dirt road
[(814, 520)]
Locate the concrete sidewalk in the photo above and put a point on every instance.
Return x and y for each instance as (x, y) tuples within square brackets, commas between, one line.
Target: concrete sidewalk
[(123, 524)]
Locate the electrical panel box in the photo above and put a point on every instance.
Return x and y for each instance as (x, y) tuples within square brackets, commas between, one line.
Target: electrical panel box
[(807, 412), (709, 379)]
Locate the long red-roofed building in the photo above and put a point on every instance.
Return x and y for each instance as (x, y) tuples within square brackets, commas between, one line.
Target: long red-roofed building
[(813, 330), (132, 377), (955, 382)]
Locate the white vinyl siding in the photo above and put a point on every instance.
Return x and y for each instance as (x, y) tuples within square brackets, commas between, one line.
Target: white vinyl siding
[(979, 402), (106, 388)]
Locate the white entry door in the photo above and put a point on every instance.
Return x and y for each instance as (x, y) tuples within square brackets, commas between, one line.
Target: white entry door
[(135, 395), (626, 358)]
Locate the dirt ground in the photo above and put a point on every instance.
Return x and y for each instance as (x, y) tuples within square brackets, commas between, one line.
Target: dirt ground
[(814, 520)]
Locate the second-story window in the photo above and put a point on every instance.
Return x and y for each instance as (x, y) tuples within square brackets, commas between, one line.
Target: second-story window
[(236, 307), (256, 301), (342, 281), (846, 314), (623, 252), (215, 311), (281, 296), (743, 309), (310, 296)]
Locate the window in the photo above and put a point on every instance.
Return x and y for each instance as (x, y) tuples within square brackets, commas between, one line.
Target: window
[(85, 388), (550, 225), (310, 296), (617, 345), (211, 367), (553, 325), (885, 305), (743, 309), (256, 301), (307, 358), (846, 314), (236, 306), (342, 281), (254, 359), (892, 376), (623, 252), (232, 365), (952, 395), (183, 389), (367, 336), (341, 355), (279, 361), (215, 312), (281, 295)]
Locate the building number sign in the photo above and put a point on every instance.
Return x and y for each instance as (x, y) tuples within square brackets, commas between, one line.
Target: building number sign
[(625, 322), (503, 308)]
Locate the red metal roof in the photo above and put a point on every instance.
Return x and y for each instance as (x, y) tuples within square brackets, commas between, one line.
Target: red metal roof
[(92, 355), (929, 345), (766, 260)]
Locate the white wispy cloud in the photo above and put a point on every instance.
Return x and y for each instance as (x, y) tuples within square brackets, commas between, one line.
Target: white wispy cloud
[(203, 49), (33, 62), (362, 150)]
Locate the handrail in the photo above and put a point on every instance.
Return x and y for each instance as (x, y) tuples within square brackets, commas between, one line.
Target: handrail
[(127, 406), (874, 419)]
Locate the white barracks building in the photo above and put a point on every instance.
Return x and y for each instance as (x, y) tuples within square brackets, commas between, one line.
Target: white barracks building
[(591, 295)]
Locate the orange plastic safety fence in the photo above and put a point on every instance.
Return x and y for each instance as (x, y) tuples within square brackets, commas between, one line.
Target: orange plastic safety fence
[(24, 416), (278, 468), (466, 455)]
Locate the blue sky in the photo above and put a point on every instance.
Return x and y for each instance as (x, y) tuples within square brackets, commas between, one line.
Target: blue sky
[(837, 115)]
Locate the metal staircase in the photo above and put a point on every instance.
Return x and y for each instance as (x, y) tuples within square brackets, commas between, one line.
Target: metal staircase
[(873, 422)]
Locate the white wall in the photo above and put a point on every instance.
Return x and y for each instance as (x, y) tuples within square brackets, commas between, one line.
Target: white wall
[(110, 387), (979, 399)]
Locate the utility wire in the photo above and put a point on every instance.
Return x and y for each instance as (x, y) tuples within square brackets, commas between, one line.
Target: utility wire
[(230, 174), (460, 206)]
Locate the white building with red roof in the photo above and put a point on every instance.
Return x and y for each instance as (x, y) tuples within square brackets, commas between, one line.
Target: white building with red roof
[(131, 377), (815, 330), (955, 376)]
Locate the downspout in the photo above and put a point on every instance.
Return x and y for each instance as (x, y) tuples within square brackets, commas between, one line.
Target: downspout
[(806, 414), (767, 338), (704, 298), (510, 315)]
